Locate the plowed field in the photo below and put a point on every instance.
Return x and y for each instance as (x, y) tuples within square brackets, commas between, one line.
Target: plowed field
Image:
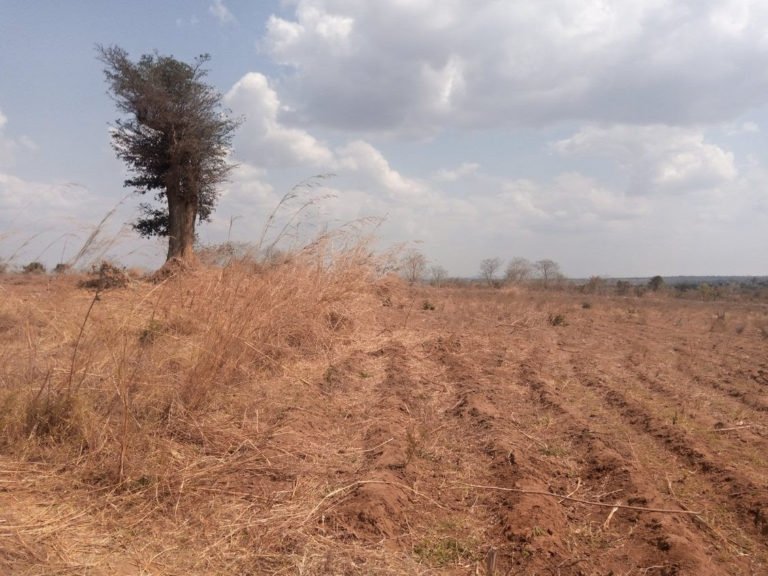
[(502, 432)]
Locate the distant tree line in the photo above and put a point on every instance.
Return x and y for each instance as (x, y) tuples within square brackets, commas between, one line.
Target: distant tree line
[(521, 270), (415, 268)]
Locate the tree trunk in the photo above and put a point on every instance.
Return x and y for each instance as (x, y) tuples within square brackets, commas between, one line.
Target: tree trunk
[(181, 227)]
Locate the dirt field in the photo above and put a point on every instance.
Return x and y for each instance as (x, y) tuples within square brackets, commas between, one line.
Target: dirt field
[(502, 432)]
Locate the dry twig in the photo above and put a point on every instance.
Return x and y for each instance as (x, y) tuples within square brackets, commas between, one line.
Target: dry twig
[(581, 501), (362, 483)]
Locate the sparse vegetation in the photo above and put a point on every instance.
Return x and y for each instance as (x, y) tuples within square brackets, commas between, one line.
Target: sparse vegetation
[(438, 275), (595, 285), (548, 270), (106, 275), (656, 283), (623, 287), (413, 265), (442, 552), (34, 268), (557, 320), (518, 270), (488, 269)]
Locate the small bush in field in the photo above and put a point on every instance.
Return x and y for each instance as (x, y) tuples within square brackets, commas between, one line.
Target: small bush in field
[(623, 287), (152, 330), (557, 320), (656, 283), (427, 305), (62, 268), (34, 268), (107, 275), (586, 305)]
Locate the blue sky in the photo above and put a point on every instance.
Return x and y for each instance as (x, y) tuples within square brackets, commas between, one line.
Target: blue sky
[(617, 138)]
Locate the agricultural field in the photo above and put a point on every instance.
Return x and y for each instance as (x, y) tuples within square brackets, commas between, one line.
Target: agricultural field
[(314, 418)]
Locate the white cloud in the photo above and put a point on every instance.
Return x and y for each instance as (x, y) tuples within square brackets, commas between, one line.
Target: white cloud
[(190, 22), (569, 202), (41, 219), (366, 184), (42, 200), (462, 171), (655, 158), (361, 158), (748, 127), (10, 147), (221, 12), (292, 42), (263, 140), (419, 66)]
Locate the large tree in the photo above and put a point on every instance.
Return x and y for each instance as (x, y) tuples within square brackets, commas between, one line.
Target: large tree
[(175, 139)]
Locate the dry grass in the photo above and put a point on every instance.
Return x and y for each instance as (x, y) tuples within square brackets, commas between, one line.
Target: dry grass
[(144, 397)]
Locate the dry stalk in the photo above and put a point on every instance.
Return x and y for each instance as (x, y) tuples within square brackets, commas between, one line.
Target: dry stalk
[(608, 520), (581, 501), (362, 483), (578, 485), (732, 428), (79, 338)]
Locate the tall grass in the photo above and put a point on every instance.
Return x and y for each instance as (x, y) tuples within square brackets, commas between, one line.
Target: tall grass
[(164, 402), (104, 377), (161, 405)]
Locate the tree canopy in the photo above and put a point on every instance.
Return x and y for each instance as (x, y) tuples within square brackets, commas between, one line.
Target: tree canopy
[(175, 140)]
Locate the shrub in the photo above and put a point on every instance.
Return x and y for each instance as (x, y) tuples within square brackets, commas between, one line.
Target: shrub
[(623, 287), (34, 268), (107, 276), (595, 285), (656, 283), (708, 292), (557, 320)]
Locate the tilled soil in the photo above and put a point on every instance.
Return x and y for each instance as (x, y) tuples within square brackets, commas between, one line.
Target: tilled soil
[(500, 433), (652, 404)]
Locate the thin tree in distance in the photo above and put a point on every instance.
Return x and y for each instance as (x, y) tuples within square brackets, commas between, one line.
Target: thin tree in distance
[(548, 270), (413, 266), (488, 269), (518, 270), (175, 140), (438, 275)]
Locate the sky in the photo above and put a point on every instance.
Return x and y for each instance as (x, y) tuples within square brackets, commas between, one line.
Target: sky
[(618, 138)]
